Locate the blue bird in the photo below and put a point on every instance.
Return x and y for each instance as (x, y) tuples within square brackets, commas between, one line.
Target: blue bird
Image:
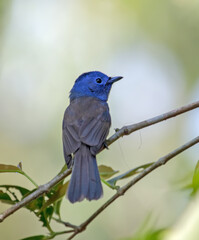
[(86, 125)]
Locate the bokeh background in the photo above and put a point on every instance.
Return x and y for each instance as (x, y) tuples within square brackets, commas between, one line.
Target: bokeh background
[(44, 46)]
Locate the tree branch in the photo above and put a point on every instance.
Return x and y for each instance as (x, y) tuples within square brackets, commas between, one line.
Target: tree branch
[(121, 191), (126, 130)]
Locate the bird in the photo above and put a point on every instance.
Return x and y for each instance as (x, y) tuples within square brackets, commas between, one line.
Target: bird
[(85, 127)]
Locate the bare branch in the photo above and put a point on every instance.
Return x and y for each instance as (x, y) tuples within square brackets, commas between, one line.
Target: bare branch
[(121, 191), (126, 130)]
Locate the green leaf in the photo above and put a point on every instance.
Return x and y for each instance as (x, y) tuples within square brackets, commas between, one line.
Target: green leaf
[(43, 219), (5, 198), (35, 204), (38, 237), (58, 194), (109, 185), (22, 190), (195, 181), (106, 171), (129, 173), (46, 215), (8, 188), (9, 168), (49, 212), (57, 206)]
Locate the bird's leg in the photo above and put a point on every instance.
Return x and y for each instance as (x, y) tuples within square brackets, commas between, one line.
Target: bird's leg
[(69, 161), (105, 145)]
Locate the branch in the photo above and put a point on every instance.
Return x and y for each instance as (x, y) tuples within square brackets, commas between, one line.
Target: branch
[(121, 191), (126, 130)]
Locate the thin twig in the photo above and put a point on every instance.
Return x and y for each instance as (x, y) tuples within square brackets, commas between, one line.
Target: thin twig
[(54, 234), (66, 224), (126, 130), (121, 191)]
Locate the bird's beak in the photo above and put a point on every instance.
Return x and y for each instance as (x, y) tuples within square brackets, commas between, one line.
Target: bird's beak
[(114, 79)]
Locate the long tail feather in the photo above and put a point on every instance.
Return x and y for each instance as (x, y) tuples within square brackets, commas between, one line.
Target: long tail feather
[(85, 180)]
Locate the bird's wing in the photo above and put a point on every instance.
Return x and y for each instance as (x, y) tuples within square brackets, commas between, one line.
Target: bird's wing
[(96, 124), (86, 120), (70, 132), (94, 130)]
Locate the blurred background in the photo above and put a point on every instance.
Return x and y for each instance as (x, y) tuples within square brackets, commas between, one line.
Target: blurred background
[(44, 46)]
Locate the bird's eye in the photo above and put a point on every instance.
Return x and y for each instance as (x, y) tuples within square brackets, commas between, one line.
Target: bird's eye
[(98, 80)]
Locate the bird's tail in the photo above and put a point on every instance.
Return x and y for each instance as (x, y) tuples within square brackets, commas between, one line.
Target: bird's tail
[(85, 180)]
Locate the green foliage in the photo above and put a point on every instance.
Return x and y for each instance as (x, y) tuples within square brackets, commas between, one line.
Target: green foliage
[(45, 216), (57, 206), (128, 174), (106, 172), (10, 168), (8, 196), (191, 182), (195, 180), (15, 169), (43, 207), (57, 194), (38, 237), (5, 198), (23, 191), (48, 205)]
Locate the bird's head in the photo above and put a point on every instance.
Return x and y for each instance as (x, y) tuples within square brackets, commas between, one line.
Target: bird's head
[(93, 84)]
